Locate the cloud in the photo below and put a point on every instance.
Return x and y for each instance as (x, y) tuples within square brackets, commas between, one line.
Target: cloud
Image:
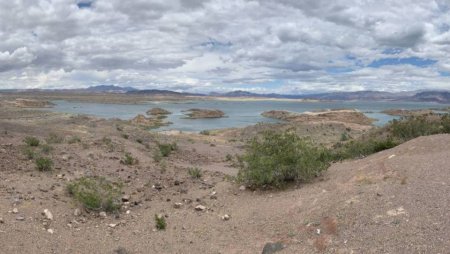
[(195, 45)]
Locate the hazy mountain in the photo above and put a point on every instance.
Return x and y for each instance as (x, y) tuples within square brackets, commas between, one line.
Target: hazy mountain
[(110, 89)]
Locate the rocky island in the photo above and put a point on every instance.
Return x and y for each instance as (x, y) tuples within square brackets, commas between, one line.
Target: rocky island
[(196, 113)]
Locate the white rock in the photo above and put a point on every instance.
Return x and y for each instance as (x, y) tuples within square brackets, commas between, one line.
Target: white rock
[(50, 230), (318, 231), (48, 214), (77, 212), (200, 208), (15, 210), (177, 205), (112, 225), (102, 214), (242, 188), (226, 217)]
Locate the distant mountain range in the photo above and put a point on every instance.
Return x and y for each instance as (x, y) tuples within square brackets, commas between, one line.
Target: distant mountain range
[(428, 96)]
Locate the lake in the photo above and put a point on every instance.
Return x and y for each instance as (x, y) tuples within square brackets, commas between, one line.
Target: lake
[(239, 113)]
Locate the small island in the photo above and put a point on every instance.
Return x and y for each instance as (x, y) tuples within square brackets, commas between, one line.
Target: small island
[(337, 115), (158, 112), (195, 113)]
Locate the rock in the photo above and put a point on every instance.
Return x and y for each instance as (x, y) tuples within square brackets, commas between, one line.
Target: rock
[(200, 208), (158, 112), (20, 218), (2, 221), (15, 210), (50, 230), (226, 217), (242, 188), (112, 225), (270, 248), (121, 250), (102, 214), (177, 205), (48, 214), (195, 113), (125, 198), (77, 212)]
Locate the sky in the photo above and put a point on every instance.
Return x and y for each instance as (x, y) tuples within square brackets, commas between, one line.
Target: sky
[(262, 46)]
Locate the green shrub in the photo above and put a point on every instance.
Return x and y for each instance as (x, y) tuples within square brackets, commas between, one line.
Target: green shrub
[(129, 160), (53, 138), (46, 148), (362, 148), (228, 157), (74, 139), (125, 136), (278, 158), (44, 164), (31, 141), (166, 149), (344, 137), (195, 172), (205, 132), (29, 153), (160, 222), (157, 156), (96, 193)]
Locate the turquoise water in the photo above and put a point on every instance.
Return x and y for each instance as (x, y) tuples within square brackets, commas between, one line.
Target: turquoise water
[(239, 113)]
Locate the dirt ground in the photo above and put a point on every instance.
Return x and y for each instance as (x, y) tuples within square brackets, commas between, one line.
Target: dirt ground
[(395, 201)]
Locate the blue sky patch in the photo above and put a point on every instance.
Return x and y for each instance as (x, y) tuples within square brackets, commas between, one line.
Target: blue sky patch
[(392, 51), (416, 61), (84, 5), (338, 70)]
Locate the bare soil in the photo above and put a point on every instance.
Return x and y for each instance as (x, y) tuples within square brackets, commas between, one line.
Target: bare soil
[(395, 201)]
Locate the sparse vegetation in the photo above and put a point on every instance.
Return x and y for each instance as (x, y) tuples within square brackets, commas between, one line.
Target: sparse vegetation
[(160, 222), (205, 132), (96, 193), (29, 153), (278, 158), (125, 136), (74, 139), (129, 160), (195, 172), (46, 148), (167, 148), (53, 138), (393, 134), (228, 157), (31, 141), (44, 164)]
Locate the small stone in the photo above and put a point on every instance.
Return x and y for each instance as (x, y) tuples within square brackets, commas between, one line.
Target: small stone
[(20, 218), (15, 210), (177, 205), (50, 230), (128, 212), (125, 198), (200, 208), (77, 212), (112, 225), (318, 231), (2, 221), (271, 248), (177, 182), (102, 214), (226, 217), (242, 188), (48, 214)]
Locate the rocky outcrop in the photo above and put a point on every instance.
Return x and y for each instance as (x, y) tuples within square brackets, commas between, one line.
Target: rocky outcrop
[(29, 103), (339, 115), (158, 112), (407, 112), (196, 113), (149, 122)]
